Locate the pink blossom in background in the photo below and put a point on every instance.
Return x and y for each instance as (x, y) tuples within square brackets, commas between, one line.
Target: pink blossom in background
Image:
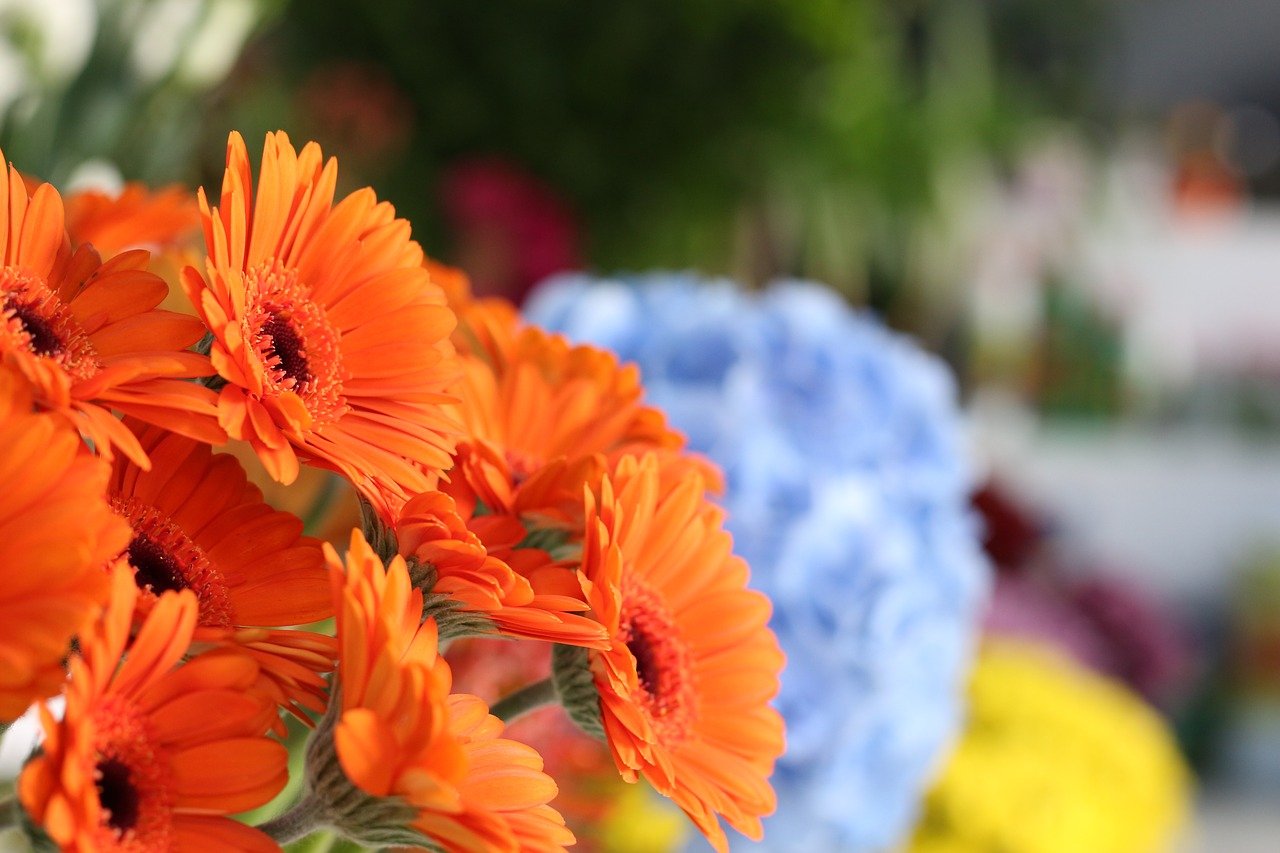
[(510, 229)]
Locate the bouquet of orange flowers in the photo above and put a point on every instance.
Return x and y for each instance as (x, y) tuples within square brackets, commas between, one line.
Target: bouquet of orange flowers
[(510, 485)]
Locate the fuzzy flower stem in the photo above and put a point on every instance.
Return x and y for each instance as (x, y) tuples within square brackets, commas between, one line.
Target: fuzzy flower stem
[(10, 812), (298, 822), (529, 698)]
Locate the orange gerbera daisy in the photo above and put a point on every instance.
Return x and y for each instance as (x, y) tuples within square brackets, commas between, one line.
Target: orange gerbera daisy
[(87, 334), (684, 691), (165, 222), (426, 761), (199, 524), (332, 340), (487, 327), (515, 591), (56, 531), (542, 418), (149, 757), (453, 282), (135, 218)]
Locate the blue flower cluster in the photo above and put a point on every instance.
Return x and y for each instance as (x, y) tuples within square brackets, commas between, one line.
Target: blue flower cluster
[(847, 492)]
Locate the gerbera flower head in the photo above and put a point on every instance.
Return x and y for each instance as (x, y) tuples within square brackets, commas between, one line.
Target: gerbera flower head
[(164, 221), (847, 492), (150, 755), (487, 325), (56, 532), (682, 696), (454, 282), (399, 760), (494, 586), (198, 524), (87, 334), (542, 418), (137, 217), (332, 341)]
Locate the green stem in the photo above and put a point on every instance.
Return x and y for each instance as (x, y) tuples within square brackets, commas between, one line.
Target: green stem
[(512, 707), (10, 812), (322, 504), (304, 818), (321, 842)]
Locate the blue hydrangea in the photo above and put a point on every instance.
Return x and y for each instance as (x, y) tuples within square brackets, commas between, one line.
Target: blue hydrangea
[(847, 492)]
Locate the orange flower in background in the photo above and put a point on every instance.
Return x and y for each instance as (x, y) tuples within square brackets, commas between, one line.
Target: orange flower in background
[(56, 532), (165, 222), (685, 688), (137, 217), (148, 757), (487, 327), (542, 418), (401, 735), (87, 334), (453, 282), (332, 340), (199, 524), (520, 593)]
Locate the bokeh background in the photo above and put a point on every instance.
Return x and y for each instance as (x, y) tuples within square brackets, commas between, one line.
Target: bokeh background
[(1075, 205)]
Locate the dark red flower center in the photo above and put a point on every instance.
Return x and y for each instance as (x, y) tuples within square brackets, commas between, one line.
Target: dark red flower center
[(154, 568), (294, 341), (44, 340), (118, 795), (34, 320), (134, 781), (521, 464), (286, 346), (663, 665), (647, 669), (165, 559)]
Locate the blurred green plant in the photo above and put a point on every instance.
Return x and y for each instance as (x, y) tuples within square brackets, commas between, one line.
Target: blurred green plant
[(119, 85), (757, 137)]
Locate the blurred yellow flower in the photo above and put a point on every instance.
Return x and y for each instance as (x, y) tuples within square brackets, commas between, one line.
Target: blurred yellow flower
[(638, 821), (1055, 759)]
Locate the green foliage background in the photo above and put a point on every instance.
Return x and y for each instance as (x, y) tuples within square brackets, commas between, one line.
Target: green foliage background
[(750, 137)]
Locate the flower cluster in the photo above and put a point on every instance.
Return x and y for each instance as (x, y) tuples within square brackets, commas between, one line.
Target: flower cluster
[(847, 492), (1068, 760), (508, 485)]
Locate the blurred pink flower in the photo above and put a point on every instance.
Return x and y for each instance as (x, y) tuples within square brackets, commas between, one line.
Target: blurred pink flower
[(510, 229)]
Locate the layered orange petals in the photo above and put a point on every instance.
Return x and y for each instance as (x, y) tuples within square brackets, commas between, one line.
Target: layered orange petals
[(291, 666), (452, 281), (542, 418), (505, 793), (393, 733), (332, 338), (88, 336), (151, 754), (487, 327), (685, 687), (523, 593), (199, 524), (56, 532), (401, 734)]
